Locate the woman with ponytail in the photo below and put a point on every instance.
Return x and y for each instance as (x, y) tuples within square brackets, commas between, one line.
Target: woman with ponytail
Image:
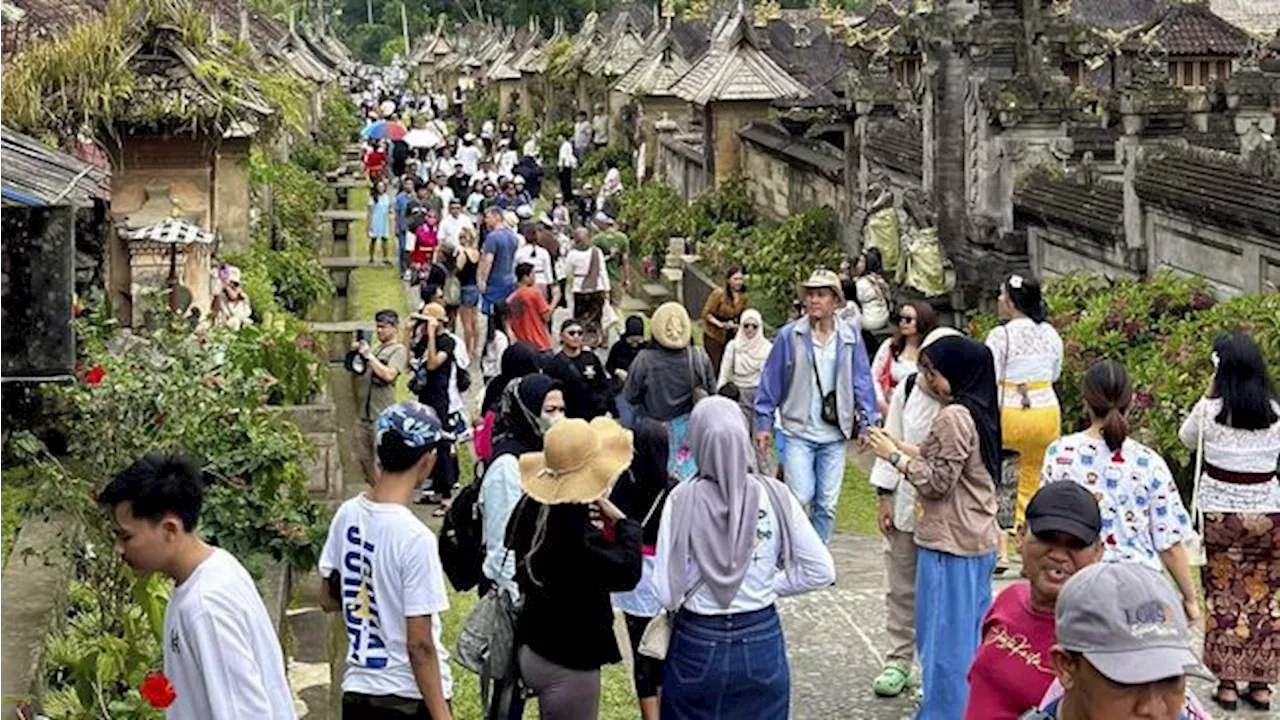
[(1143, 519), (1028, 359)]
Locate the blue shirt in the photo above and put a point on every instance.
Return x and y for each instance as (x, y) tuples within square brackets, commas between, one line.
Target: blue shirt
[(379, 224), (402, 202), (818, 430), (501, 244)]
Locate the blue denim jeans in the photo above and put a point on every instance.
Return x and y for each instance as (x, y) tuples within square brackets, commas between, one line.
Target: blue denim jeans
[(953, 594), (726, 667), (814, 472)]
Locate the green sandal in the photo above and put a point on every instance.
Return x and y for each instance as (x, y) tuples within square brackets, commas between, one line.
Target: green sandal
[(893, 679)]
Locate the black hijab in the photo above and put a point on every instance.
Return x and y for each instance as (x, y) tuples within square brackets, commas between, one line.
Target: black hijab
[(516, 430), (647, 478), (622, 354), (518, 360), (969, 368)]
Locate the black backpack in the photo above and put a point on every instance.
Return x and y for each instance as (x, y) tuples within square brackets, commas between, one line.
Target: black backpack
[(462, 538)]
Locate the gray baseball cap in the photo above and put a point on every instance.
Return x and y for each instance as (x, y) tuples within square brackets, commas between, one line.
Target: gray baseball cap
[(1128, 622)]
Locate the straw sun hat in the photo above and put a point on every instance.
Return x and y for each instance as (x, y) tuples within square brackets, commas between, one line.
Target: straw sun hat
[(579, 463), (671, 326)]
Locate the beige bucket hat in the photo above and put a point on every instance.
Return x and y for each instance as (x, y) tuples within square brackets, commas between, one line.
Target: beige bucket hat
[(671, 326)]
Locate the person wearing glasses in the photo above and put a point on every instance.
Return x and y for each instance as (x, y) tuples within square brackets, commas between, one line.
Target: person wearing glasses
[(585, 380), (895, 360), (743, 361)]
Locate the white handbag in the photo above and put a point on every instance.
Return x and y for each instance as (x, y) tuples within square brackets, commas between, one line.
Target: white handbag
[(1193, 543), (657, 634)]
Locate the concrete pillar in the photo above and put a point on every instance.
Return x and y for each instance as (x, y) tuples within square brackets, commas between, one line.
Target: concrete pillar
[(231, 195)]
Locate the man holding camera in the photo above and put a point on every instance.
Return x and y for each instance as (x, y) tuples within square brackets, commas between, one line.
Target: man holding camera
[(381, 366)]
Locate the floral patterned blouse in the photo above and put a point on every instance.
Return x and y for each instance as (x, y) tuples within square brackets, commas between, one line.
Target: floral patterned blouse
[(1142, 513)]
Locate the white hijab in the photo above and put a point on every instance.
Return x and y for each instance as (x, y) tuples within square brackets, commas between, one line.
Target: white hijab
[(749, 354)]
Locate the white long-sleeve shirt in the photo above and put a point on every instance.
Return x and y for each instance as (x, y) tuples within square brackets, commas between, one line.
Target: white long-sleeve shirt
[(499, 496), (764, 582), (909, 418)]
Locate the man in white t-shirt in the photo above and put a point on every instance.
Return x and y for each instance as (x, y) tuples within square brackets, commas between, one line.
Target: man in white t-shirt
[(220, 652), (453, 222), (469, 155), (543, 268), (381, 570)]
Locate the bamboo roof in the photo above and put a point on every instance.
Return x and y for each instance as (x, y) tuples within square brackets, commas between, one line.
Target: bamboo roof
[(736, 69), (662, 65), (38, 176)]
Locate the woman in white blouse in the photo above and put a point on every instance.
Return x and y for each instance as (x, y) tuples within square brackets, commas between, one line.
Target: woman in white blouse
[(1028, 357), (1238, 495), (730, 543)]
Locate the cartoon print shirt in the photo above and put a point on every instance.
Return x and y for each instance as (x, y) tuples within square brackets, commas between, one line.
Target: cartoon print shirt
[(1142, 512)]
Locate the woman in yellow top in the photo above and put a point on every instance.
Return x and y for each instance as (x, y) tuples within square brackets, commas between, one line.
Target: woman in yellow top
[(1028, 359), (720, 314)]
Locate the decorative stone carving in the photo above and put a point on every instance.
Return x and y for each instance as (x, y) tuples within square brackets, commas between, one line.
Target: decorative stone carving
[(803, 36)]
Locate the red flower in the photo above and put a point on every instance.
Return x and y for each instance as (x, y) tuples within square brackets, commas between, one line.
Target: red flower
[(157, 690), (95, 375)]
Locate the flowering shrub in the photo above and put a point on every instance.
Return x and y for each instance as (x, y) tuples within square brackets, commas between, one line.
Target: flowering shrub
[(1162, 329)]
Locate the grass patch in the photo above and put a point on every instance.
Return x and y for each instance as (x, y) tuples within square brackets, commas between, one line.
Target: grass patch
[(856, 512), (11, 516), (358, 231), (375, 288)]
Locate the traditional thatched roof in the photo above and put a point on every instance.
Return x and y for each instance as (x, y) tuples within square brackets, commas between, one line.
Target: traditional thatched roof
[(1096, 208), (660, 68), (623, 45), (26, 21), (735, 69), (504, 67), (1192, 29), (807, 52), (36, 176), (1260, 17)]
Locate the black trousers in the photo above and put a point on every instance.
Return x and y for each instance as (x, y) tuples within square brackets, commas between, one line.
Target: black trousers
[(382, 707), (566, 183)]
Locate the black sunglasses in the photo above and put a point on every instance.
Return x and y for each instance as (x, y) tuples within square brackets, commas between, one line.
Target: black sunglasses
[(575, 331)]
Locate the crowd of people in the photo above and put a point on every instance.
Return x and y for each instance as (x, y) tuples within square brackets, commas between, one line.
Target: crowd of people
[(690, 486)]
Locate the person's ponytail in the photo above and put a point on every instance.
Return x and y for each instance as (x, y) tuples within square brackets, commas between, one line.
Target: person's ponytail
[(1108, 393), (1115, 428)]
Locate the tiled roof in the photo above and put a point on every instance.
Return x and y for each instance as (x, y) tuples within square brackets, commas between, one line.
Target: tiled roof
[(691, 37), (1116, 14), (657, 71), (821, 156), (1260, 17), (619, 50), (1098, 208), (736, 69), (896, 145), (1193, 29), (28, 20), (1210, 184), (807, 52), (37, 176), (1097, 140)]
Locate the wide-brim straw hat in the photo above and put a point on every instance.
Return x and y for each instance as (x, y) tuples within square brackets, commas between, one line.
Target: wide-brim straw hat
[(671, 327), (579, 463)]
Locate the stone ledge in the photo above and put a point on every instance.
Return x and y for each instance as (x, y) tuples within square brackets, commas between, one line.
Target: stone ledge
[(38, 590), (275, 587)]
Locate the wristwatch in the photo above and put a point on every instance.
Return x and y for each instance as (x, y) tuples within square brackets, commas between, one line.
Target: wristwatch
[(895, 457)]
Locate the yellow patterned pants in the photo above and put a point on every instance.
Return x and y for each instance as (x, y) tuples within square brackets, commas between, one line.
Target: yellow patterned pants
[(1029, 431)]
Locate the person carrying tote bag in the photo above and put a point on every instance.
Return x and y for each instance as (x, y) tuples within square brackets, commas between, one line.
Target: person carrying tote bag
[(730, 543)]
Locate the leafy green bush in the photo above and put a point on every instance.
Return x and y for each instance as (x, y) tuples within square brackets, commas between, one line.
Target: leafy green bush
[(291, 273), (340, 120), (314, 157), (297, 196), (483, 107), (1162, 329), (650, 215), (280, 345)]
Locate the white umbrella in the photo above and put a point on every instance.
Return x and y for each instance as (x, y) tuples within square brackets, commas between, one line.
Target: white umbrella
[(422, 138)]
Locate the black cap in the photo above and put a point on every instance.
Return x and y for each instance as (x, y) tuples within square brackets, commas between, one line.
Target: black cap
[(1065, 507)]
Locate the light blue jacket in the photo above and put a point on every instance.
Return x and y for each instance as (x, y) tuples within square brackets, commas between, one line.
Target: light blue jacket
[(786, 383), (498, 498)]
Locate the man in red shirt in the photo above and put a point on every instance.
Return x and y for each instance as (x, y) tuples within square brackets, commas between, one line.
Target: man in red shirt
[(529, 310), (1012, 672)]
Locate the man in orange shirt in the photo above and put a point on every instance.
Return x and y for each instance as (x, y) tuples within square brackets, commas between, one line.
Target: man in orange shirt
[(529, 310)]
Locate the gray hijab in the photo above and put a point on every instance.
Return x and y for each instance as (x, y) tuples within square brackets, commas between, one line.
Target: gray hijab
[(714, 515)]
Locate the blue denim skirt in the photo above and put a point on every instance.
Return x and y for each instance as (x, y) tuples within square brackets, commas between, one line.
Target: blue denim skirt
[(726, 667)]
